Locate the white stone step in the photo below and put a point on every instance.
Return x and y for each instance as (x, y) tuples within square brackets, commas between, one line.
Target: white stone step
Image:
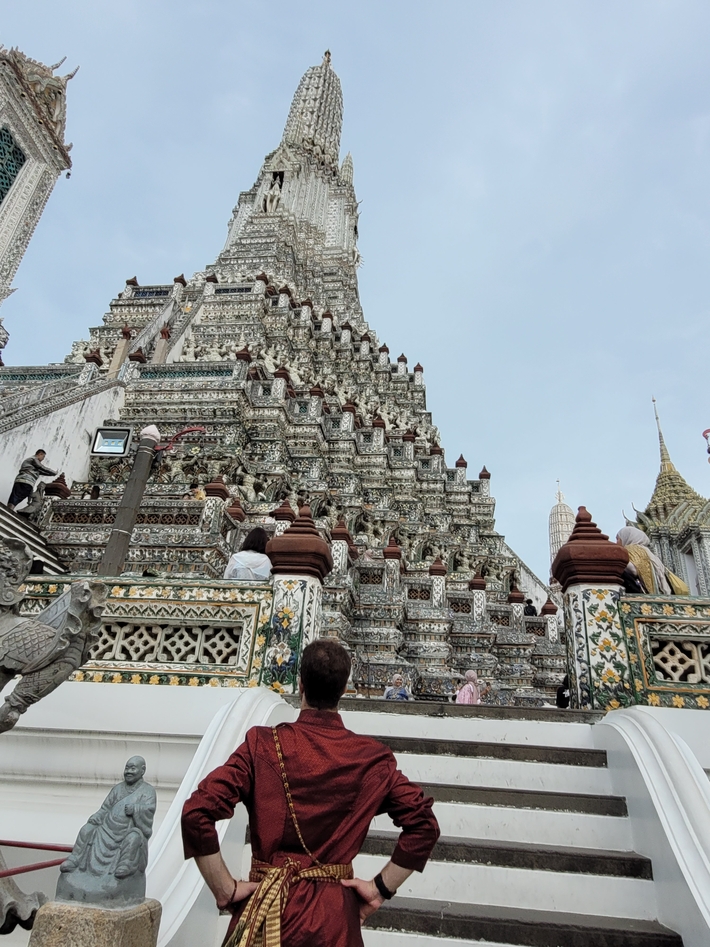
[(540, 826), (511, 774), (474, 729), (377, 938), (522, 888)]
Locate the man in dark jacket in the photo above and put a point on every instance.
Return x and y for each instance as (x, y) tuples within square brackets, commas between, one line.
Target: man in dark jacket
[(31, 470)]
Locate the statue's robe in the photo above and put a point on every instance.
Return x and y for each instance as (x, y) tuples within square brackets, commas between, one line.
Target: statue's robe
[(118, 844), (339, 781)]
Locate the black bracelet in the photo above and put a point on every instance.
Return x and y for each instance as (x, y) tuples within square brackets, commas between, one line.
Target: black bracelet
[(383, 889)]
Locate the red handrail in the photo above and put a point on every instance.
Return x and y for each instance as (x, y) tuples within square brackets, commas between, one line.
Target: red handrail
[(40, 846), (37, 866)]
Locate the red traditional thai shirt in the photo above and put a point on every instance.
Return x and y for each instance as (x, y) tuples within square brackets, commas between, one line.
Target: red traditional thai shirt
[(339, 781)]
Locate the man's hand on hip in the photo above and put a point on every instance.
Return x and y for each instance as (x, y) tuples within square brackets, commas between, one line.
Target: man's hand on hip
[(370, 897)]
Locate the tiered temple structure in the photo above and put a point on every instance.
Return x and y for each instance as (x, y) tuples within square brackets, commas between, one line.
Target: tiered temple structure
[(677, 520), (33, 154), (267, 350)]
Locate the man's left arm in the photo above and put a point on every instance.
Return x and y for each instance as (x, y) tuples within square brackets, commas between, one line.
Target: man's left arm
[(411, 811)]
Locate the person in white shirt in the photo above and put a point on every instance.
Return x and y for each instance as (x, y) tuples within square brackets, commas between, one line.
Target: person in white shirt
[(251, 562)]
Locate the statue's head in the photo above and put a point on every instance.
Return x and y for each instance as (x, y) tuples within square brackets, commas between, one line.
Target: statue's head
[(134, 770)]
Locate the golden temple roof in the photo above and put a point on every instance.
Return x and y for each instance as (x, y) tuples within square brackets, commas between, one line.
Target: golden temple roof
[(671, 490)]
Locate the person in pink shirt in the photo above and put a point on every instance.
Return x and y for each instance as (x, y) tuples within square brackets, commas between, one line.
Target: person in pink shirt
[(470, 693)]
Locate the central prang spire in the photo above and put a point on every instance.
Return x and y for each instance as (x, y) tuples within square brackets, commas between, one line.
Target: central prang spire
[(316, 116)]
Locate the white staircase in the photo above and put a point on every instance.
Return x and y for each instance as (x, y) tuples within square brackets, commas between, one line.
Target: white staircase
[(537, 850)]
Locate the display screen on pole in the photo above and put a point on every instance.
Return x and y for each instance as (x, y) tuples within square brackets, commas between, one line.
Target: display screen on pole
[(112, 441)]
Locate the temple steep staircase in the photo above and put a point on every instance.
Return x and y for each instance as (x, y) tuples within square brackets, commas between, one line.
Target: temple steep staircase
[(535, 848)]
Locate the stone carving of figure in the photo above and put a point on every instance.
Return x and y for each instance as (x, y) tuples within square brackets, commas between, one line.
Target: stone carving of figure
[(47, 649), (111, 851), (273, 198), (16, 907), (34, 504)]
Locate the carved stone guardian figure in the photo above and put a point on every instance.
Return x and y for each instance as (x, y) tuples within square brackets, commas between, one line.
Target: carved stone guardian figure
[(111, 851), (47, 649)]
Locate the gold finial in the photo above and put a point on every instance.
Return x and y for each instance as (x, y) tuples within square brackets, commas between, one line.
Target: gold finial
[(666, 463), (559, 496), (326, 56)]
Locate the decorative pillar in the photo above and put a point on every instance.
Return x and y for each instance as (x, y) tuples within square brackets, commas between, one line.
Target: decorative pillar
[(418, 376), (284, 516), (343, 548), (120, 352), (549, 613), (477, 585), (590, 570), (484, 479), (402, 364), (160, 351), (383, 359), (516, 600), (300, 560)]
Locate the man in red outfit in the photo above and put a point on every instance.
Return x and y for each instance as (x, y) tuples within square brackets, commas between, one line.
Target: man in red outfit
[(311, 789)]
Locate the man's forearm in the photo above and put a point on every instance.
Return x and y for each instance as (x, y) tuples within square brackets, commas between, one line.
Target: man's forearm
[(217, 876), (394, 875)]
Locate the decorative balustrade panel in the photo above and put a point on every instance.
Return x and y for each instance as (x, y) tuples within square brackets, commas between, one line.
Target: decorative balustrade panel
[(182, 632), (668, 642)]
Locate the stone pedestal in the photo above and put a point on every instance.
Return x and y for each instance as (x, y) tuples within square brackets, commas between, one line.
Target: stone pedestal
[(59, 924)]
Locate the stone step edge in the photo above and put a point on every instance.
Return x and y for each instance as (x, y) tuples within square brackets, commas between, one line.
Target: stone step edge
[(432, 708), (539, 799), (524, 855), (519, 926), (511, 752)]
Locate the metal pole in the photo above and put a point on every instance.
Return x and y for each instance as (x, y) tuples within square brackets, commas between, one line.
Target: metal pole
[(120, 538)]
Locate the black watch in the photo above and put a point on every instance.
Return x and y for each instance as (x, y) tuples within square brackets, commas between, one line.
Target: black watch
[(383, 889)]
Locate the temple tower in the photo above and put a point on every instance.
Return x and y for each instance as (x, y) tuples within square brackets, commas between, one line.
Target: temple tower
[(677, 520), (561, 524), (32, 154)]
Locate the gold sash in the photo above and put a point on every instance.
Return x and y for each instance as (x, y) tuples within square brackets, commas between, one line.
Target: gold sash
[(260, 924)]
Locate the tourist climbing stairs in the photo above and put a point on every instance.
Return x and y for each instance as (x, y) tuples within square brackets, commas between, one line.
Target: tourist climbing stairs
[(535, 849)]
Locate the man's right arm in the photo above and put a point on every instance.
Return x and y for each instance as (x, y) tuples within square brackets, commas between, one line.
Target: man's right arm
[(215, 799)]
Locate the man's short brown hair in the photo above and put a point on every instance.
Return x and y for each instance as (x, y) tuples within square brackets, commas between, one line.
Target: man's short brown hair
[(325, 669)]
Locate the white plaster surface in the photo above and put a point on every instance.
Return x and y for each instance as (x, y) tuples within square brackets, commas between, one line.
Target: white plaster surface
[(379, 938), (65, 436), (518, 887), (536, 826), (511, 774), (473, 729)]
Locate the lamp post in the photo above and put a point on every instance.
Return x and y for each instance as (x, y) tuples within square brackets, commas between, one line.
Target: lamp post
[(120, 539)]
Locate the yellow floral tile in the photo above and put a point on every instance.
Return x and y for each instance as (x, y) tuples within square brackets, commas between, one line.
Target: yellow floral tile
[(678, 701), (654, 700), (703, 702)]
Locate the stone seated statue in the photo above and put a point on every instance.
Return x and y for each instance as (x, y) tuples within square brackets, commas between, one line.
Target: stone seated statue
[(111, 851)]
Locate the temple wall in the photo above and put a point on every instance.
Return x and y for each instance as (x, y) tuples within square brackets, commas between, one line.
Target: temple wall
[(65, 435)]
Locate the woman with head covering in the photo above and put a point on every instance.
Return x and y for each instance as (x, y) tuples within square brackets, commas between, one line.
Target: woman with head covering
[(470, 693), (397, 689), (251, 562), (645, 567)]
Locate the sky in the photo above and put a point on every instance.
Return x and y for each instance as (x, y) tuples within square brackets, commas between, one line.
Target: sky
[(535, 217)]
